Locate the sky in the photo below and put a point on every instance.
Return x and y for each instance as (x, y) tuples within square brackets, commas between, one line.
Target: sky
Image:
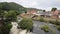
[(40, 4)]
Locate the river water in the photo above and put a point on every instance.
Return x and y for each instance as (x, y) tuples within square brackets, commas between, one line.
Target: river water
[(14, 29), (36, 28)]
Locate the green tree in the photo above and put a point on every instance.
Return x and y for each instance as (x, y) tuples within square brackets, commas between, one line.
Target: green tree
[(6, 18), (53, 9), (44, 11), (10, 15)]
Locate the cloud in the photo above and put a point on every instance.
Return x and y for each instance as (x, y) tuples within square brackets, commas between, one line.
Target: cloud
[(41, 4), (29, 4)]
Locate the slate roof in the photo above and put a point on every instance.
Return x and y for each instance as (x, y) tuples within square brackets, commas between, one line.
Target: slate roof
[(45, 13)]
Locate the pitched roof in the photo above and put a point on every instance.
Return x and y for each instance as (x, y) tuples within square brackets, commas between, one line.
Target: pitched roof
[(45, 13), (58, 10)]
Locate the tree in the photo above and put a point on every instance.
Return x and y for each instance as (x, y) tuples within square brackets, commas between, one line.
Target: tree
[(43, 10), (6, 18), (5, 28), (10, 15), (53, 9)]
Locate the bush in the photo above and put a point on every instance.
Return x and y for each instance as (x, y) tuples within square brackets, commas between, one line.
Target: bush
[(5, 29), (51, 21), (56, 22), (8, 27), (26, 23), (45, 28), (46, 21), (41, 19), (58, 27), (53, 31)]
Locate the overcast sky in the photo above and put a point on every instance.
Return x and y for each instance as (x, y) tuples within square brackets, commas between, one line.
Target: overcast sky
[(41, 4)]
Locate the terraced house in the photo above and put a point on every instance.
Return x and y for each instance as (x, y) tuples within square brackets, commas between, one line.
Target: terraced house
[(56, 14), (31, 11), (49, 14)]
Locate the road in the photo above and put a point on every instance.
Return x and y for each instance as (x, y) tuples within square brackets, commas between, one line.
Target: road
[(37, 30)]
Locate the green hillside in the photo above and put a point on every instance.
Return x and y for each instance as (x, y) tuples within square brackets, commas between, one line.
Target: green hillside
[(14, 6)]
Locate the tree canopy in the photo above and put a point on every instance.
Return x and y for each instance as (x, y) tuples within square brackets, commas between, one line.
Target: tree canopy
[(12, 6), (6, 18), (53, 9)]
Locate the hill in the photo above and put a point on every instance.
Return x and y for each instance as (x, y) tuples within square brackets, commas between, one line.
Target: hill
[(14, 6)]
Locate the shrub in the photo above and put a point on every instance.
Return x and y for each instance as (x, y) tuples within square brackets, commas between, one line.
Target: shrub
[(41, 19), (26, 23), (54, 22), (45, 28), (58, 27), (51, 21), (5, 29), (53, 31), (8, 27), (46, 21)]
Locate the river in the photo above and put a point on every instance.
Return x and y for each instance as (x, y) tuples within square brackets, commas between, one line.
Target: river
[(37, 29)]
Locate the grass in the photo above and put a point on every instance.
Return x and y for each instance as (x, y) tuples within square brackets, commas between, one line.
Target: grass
[(45, 28), (58, 27), (41, 19), (52, 31)]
